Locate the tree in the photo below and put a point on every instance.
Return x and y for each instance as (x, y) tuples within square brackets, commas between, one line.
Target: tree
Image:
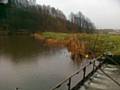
[(25, 15), (82, 23)]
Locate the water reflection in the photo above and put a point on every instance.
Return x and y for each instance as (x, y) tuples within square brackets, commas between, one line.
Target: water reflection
[(28, 64), (19, 48)]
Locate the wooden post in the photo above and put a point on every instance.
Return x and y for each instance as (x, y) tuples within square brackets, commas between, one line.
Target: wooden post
[(94, 66), (69, 84), (16, 88), (84, 73)]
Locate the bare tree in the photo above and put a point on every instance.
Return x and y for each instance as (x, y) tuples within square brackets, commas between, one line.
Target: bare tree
[(83, 23)]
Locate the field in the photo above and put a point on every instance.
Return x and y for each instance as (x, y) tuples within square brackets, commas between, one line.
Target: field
[(99, 43)]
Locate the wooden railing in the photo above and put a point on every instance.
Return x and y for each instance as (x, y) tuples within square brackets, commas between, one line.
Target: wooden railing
[(84, 74)]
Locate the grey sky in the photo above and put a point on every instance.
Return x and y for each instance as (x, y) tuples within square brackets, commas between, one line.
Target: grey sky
[(4, 1), (104, 13)]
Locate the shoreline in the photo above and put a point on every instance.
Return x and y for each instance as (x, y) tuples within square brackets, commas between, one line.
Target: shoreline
[(76, 47)]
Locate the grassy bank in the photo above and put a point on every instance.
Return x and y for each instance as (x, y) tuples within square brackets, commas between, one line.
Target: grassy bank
[(56, 36), (97, 42)]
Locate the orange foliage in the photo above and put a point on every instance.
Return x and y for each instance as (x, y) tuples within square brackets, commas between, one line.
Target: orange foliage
[(77, 48)]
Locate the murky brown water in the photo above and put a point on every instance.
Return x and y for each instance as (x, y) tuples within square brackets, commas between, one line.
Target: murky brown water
[(29, 65)]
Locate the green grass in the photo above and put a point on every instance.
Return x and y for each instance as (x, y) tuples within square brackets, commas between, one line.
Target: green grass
[(100, 43), (57, 36)]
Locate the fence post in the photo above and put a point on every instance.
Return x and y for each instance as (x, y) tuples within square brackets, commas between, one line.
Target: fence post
[(16, 88), (84, 73), (69, 84), (94, 66)]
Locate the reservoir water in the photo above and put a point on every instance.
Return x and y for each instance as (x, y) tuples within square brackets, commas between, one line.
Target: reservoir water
[(28, 64)]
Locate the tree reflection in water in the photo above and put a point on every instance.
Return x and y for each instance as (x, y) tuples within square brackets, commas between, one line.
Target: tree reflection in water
[(22, 47)]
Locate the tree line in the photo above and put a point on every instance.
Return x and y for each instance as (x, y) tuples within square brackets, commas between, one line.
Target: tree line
[(27, 16)]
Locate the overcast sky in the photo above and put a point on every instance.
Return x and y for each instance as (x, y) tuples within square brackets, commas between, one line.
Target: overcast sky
[(104, 13)]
